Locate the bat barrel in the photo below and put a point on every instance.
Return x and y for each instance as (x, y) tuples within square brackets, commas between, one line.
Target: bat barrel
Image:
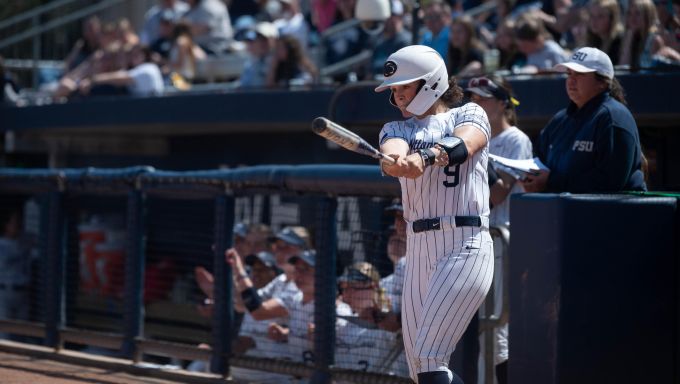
[(319, 124)]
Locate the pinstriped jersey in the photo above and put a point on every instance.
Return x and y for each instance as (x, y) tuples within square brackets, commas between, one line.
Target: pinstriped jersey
[(443, 191)]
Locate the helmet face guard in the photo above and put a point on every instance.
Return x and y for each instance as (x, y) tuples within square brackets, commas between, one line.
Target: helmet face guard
[(413, 63), (435, 86)]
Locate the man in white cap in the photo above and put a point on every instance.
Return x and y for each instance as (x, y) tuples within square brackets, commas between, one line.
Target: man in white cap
[(592, 145), (260, 42)]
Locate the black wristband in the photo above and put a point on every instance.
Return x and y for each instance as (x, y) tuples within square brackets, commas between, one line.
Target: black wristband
[(428, 156), (251, 299)]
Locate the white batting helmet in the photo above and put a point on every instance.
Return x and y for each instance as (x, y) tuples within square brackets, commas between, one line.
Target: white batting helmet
[(417, 62)]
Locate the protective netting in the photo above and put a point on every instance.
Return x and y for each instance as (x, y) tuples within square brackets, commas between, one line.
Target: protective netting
[(95, 264), (21, 276)]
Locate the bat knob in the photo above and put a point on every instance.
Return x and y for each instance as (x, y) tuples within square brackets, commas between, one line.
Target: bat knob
[(319, 124)]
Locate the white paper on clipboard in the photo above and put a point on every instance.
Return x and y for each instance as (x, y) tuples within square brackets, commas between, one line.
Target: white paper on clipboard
[(521, 167)]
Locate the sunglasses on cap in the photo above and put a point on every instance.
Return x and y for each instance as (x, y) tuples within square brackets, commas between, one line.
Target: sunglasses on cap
[(485, 87)]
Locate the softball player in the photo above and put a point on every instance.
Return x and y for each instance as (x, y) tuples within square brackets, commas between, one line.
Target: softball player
[(367, 349), (441, 160)]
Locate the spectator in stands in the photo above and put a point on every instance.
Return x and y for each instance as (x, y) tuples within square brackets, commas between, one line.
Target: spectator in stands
[(163, 42), (143, 78), (532, 40), (669, 20), (350, 41), (290, 64), (108, 39), (184, 53), (8, 86), (437, 18), (292, 22), (210, 25), (605, 30), (125, 33), (86, 45), (288, 242), (465, 51), (393, 38), (495, 96), (324, 14), (396, 250), (110, 59), (642, 39), (299, 307), (248, 240), (253, 339), (510, 56), (593, 145), (361, 348), (260, 42), (393, 283), (164, 10), (565, 15)]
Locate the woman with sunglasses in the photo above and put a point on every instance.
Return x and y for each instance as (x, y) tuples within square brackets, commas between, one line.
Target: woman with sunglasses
[(495, 96), (440, 157)]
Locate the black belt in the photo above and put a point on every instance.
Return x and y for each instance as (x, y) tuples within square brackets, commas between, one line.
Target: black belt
[(435, 223)]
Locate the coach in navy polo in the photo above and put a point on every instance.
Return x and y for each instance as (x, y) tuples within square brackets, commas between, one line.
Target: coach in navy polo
[(593, 145)]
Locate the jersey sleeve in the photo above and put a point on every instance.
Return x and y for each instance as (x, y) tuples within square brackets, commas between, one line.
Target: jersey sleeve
[(392, 130), (472, 114), (289, 301), (267, 292)]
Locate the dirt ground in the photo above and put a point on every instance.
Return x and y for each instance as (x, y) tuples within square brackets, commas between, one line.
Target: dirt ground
[(18, 369)]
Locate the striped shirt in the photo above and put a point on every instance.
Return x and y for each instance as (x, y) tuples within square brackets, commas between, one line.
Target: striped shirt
[(443, 191)]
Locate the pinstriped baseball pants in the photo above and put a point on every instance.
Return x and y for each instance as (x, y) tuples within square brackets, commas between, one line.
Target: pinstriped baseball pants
[(448, 273)]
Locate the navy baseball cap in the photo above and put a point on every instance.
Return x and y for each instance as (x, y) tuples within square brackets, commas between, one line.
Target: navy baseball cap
[(265, 257), (240, 229), (360, 272), (290, 236), (308, 257), (168, 15), (485, 87)]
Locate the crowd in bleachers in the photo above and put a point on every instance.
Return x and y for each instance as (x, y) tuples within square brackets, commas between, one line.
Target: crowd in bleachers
[(279, 43)]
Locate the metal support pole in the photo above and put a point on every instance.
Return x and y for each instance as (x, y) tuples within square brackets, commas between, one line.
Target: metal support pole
[(36, 52), (325, 290), (223, 315), (54, 253), (415, 22), (133, 325)]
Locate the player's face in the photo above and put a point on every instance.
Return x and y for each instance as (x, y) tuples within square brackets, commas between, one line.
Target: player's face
[(581, 87), (304, 276), (403, 94), (358, 295), (261, 274), (242, 246)]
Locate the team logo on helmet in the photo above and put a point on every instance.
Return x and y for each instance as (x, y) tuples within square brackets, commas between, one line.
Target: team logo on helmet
[(390, 68)]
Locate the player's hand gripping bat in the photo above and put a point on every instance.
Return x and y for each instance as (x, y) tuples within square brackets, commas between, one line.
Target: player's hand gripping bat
[(346, 139)]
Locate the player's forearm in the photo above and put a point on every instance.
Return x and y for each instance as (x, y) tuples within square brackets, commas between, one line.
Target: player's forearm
[(410, 167)]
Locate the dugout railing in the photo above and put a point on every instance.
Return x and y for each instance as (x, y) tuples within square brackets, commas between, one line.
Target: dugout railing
[(188, 219)]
